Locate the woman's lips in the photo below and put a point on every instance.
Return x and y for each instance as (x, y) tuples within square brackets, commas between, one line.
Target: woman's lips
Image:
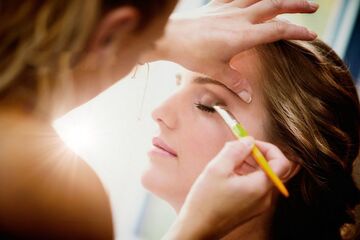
[(162, 148)]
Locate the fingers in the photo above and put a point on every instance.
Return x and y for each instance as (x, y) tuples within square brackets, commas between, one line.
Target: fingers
[(258, 181), (233, 80), (277, 30), (222, 1), (269, 150), (243, 3), (232, 155), (277, 160), (268, 9)]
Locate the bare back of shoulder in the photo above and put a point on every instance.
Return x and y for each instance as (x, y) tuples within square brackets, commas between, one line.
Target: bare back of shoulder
[(46, 191)]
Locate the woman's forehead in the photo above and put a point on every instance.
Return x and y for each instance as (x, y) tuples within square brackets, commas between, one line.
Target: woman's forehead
[(185, 77)]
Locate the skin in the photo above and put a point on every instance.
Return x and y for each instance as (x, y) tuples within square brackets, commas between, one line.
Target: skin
[(46, 191)]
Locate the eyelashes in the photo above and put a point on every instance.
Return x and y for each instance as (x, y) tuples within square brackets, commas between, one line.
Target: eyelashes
[(207, 100), (205, 108)]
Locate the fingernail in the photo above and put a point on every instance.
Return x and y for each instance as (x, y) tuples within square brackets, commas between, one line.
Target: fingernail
[(313, 5), (248, 141), (245, 96)]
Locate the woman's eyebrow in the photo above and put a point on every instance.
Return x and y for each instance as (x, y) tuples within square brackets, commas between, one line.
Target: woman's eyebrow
[(206, 80)]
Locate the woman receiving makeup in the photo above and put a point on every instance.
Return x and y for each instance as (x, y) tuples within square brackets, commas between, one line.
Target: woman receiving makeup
[(308, 115)]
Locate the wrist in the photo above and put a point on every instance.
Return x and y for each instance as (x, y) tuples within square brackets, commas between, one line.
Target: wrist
[(188, 227), (181, 230), (159, 50), (170, 46)]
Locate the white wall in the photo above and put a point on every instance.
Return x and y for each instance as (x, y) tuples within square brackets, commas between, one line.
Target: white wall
[(114, 141)]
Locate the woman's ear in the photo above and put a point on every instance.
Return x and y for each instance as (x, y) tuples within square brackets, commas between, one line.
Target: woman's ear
[(117, 25)]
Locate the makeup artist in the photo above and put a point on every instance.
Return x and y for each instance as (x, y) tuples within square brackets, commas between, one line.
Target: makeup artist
[(56, 55)]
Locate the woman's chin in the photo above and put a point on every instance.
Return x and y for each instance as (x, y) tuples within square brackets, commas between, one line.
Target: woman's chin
[(154, 183), (163, 189), (147, 179)]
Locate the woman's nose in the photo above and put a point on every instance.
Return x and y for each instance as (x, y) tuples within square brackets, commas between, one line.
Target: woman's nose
[(165, 114)]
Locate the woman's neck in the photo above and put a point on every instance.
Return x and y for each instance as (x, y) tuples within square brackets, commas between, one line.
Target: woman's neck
[(258, 228), (20, 112)]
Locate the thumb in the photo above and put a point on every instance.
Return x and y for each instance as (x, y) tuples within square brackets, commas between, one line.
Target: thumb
[(232, 78), (232, 155), (278, 162), (257, 183)]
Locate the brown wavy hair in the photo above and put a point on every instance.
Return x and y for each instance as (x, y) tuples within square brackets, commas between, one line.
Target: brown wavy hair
[(314, 117), (41, 39)]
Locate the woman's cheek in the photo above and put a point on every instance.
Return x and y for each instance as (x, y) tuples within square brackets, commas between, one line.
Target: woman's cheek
[(214, 138)]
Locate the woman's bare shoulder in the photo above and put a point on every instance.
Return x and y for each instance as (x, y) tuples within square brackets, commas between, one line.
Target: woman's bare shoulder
[(46, 190)]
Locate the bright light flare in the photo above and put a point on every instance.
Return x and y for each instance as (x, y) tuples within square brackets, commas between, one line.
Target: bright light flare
[(78, 136)]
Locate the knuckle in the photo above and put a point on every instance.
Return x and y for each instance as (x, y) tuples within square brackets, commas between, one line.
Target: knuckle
[(303, 4), (280, 27), (303, 31), (229, 145), (234, 146), (230, 149), (212, 169), (276, 4), (276, 148)]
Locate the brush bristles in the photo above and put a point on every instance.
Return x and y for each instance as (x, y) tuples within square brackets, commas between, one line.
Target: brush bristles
[(228, 118)]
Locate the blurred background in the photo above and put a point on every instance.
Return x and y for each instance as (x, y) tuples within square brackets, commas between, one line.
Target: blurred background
[(113, 131)]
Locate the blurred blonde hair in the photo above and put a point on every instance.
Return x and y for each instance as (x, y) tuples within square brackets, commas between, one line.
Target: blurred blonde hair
[(39, 41), (42, 39)]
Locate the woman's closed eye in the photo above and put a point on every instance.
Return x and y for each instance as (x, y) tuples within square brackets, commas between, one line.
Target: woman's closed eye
[(206, 102), (205, 108)]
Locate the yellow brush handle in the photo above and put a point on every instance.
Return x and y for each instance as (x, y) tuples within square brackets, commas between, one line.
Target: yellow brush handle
[(240, 132), (260, 159)]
